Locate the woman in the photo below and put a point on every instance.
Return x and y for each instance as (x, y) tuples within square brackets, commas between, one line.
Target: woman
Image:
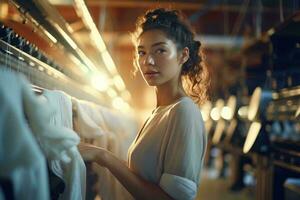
[(165, 159)]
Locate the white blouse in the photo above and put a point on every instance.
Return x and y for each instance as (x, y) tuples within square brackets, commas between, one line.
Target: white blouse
[(170, 148)]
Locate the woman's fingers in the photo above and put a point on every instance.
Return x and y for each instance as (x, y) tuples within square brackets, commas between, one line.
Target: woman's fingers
[(93, 153), (88, 152)]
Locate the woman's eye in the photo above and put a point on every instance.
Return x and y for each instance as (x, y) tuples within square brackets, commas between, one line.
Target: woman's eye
[(141, 53), (160, 51)]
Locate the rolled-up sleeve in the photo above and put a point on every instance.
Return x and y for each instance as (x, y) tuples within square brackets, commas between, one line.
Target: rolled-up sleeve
[(178, 187), (183, 154)]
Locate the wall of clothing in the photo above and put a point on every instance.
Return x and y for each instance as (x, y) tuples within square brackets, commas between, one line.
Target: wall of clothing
[(39, 135)]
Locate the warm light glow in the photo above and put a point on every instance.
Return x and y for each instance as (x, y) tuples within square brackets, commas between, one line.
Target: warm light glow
[(100, 82), (231, 104), (78, 63), (83, 11), (126, 107), (87, 61), (112, 93), (254, 103), (251, 136), (118, 81), (126, 95), (51, 37), (243, 112), (214, 114), (3, 10), (100, 43), (271, 31), (226, 113), (205, 115), (117, 103), (109, 63), (41, 68), (66, 36), (120, 104), (21, 58), (31, 64), (208, 124), (205, 110), (218, 132)]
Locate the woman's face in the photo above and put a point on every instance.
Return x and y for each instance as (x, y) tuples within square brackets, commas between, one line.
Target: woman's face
[(158, 59)]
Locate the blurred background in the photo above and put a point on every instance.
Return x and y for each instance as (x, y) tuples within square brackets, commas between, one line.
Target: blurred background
[(252, 51)]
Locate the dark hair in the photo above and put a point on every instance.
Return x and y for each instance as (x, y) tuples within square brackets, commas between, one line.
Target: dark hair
[(194, 72)]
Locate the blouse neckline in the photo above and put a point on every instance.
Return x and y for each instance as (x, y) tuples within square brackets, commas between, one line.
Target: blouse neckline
[(160, 108)]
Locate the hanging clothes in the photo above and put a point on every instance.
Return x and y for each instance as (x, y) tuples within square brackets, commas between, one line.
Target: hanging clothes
[(107, 130), (123, 127), (70, 166), (88, 123), (21, 159)]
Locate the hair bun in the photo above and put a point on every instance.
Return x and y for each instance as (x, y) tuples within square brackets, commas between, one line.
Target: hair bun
[(162, 15)]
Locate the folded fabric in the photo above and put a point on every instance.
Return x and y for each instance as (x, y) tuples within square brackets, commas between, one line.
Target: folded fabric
[(70, 167), (178, 187), (21, 159)]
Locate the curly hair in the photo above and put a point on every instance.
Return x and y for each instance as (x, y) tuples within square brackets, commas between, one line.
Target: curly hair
[(194, 72)]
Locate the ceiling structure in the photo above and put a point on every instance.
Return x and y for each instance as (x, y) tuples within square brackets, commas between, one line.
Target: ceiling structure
[(219, 24), (222, 26)]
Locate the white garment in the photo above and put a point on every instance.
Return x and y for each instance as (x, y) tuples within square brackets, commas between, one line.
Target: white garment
[(63, 108), (71, 168), (54, 140), (169, 150), (124, 130), (21, 159), (89, 122), (122, 126), (111, 131)]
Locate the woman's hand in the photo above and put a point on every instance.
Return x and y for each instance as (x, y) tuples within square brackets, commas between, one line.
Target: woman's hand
[(93, 153)]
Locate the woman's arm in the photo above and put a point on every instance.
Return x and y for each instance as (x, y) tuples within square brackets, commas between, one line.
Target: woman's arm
[(138, 187)]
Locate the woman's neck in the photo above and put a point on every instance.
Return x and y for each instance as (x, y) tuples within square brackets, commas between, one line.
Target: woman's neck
[(167, 95)]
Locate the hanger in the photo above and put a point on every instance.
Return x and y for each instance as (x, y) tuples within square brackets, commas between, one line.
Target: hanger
[(37, 90)]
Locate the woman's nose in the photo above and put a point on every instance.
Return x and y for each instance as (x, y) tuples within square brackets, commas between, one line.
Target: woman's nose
[(149, 60)]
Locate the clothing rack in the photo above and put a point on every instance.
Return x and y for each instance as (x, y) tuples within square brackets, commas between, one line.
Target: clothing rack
[(18, 54), (42, 75)]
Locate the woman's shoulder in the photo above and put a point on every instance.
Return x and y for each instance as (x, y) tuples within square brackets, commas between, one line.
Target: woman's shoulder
[(185, 117), (185, 107), (185, 104)]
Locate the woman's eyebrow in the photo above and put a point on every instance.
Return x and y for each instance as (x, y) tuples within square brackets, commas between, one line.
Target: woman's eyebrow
[(158, 43), (153, 45)]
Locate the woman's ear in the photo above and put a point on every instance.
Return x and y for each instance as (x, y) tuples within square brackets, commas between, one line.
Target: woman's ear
[(185, 54)]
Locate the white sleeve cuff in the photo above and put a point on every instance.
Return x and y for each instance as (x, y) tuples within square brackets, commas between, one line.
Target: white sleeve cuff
[(178, 187)]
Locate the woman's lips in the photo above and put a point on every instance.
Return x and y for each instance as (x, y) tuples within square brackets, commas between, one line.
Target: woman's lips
[(151, 74)]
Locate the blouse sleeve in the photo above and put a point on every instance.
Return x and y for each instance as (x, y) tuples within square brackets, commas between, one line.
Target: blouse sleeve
[(184, 152)]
